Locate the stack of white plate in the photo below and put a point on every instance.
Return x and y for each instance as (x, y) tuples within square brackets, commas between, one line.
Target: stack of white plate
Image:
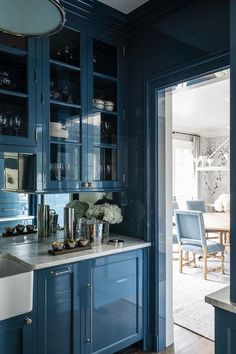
[(57, 131)]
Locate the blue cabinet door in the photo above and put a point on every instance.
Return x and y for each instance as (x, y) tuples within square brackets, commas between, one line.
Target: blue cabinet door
[(113, 300), (16, 335), (225, 332), (17, 93), (58, 311), (107, 140)]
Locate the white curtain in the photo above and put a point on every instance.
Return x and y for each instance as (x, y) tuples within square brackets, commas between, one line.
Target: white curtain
[(196, 153)]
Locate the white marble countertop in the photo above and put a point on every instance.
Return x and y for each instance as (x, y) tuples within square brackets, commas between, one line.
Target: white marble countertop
[(221, 299), (34, 254)]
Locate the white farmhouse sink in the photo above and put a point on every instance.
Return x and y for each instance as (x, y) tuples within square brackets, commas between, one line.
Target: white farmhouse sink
[(16, 288)]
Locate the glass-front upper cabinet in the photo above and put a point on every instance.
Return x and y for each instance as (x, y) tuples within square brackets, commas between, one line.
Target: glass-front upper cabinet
[(65, 111), (17, 90), (104, 119)]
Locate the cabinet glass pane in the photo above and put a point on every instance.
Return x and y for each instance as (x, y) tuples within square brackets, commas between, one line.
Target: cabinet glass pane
[(104, 58), (12, 72), (64, 162), (65, 47), (13, 41), (65, 123), (13, 116), (104, 90), (65, 85), (105, 128), (105, 164)]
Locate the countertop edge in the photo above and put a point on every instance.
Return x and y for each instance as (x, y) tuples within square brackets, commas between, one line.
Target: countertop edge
[(221, 300), (55, 261)]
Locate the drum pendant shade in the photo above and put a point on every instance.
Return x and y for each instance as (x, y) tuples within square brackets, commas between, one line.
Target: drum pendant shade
[(31, 17)]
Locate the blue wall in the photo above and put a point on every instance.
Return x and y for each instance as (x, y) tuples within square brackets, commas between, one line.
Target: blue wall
[(196, 31)]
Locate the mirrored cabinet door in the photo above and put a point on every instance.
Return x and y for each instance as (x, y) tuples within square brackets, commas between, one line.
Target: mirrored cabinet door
[(17, 90)]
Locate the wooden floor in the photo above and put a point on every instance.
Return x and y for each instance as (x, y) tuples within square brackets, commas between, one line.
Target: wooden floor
[(187, 342)]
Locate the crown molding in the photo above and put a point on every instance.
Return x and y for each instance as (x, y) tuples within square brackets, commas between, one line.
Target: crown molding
[(126, 25), (151, 12), (97, 13)]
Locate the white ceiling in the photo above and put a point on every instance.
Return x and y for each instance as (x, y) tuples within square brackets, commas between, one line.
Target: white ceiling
[(125, 6), (203, 110)]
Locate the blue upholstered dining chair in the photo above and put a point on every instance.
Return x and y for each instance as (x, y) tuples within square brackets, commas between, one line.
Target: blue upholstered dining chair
[(192, 238), (196, 205)]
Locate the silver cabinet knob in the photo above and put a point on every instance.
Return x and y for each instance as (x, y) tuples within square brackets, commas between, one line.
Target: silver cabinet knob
[(89, 184), (28, 321), (85, 185)]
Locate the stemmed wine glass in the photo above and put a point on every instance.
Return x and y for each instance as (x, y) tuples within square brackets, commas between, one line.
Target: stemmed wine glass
[(16, 123), (3, 121)]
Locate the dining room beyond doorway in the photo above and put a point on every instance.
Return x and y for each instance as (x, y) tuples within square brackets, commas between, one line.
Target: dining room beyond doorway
[(197, 115)]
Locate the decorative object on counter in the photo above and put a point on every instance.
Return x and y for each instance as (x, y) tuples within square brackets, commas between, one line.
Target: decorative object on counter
[(222, 203), (80, 210), (81, 228), (69, 223), (43, 218), (53, 219), (82, 242), (107, 214), (57, 246), (9, 230), (98, 103), (30, 228), (109, 105), (116, 242), (95, 231), (31, 18), (70, 243), (20, 228), (69, 246)]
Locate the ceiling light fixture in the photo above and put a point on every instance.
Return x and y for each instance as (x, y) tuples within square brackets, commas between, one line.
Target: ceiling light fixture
[(31, 17)]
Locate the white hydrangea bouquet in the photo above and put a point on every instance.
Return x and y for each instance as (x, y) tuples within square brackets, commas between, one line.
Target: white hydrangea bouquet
[(110, 213), (222, 203)]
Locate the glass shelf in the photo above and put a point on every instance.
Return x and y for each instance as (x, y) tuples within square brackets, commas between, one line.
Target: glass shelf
[(65, 104), (65, 65), (105, 164), (13, 116), (64, 162)]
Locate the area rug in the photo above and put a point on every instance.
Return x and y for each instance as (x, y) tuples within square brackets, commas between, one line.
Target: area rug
[(189, 291)]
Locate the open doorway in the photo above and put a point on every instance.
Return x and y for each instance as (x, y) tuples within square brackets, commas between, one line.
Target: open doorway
[(197, 131)]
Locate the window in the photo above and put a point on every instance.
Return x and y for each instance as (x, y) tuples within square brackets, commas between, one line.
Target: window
[(183, 171)]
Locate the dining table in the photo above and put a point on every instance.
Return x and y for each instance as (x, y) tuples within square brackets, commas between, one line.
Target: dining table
[(218, 223)]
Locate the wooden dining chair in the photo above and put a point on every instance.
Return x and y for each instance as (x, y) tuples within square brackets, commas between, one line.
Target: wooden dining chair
[(192, 238)]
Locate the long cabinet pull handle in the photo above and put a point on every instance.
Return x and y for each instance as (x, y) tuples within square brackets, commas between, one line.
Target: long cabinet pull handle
[(90, 337), (60, 272)]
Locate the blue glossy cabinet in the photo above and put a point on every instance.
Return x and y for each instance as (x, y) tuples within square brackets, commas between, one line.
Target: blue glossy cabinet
[(94, 306), (58, 310), (17, 93), (81, 111), (113, 298), (225, 332), (16, 336)]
